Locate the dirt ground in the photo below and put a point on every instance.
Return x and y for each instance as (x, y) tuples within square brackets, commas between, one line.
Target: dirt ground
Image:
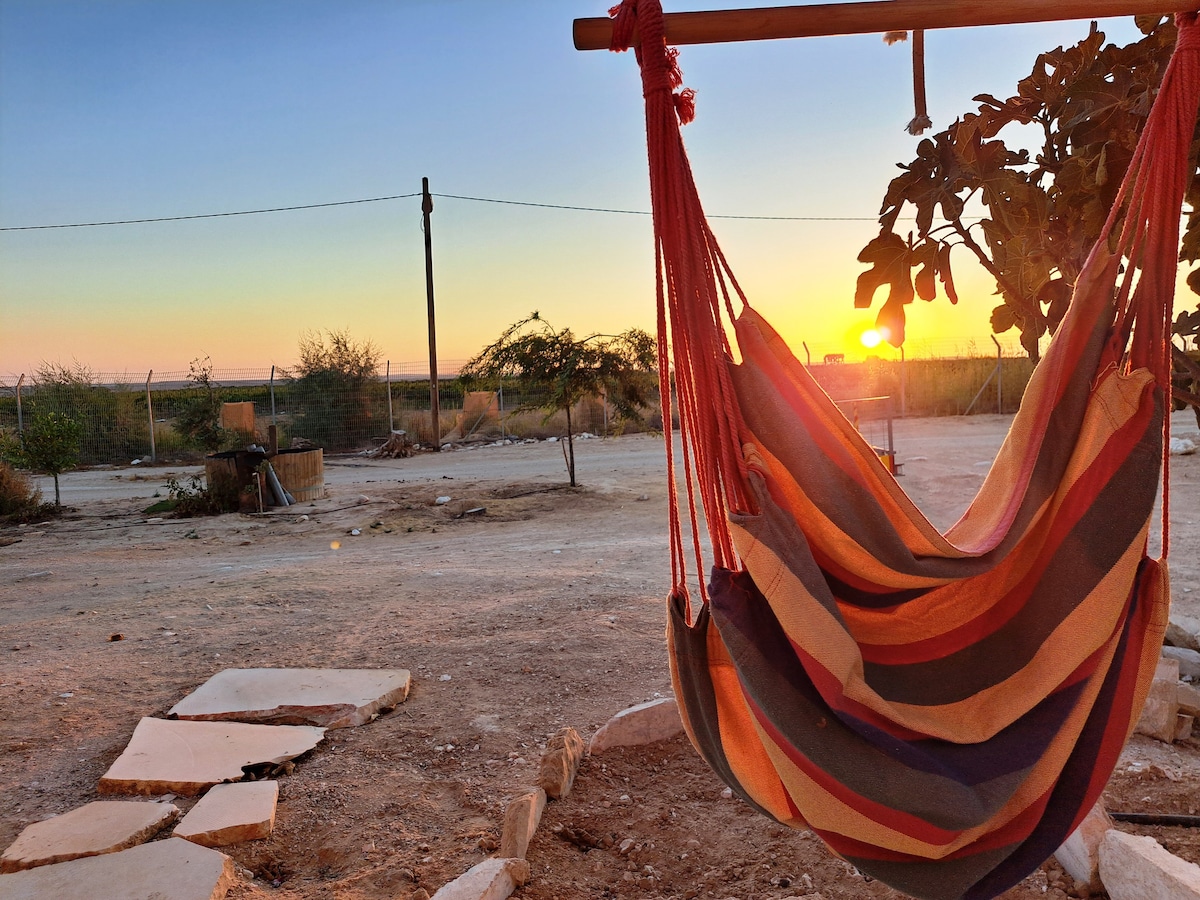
[(545, 611)]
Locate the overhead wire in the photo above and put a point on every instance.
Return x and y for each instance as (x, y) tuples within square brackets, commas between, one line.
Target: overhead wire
[(278, 209)]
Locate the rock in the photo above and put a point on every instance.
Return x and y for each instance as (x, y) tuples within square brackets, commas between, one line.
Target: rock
[(231, 813), (520, 822), (330, 698), (638, 725), (1080, 853), (1189, 660), (1138, 868), (560, 763), (1182, 446), (1183, 727), (492, 879), (172, 868), (1183, 631), (188, 757), (1188, 698), (103, 826), (1162, 705)]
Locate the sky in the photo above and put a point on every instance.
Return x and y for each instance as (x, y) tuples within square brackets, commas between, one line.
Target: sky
[(132, 109)]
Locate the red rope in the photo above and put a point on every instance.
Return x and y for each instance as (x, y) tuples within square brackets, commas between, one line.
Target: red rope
[(695, 286)]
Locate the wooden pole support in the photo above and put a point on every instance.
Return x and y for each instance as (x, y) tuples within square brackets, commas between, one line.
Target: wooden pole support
[(826, 19)]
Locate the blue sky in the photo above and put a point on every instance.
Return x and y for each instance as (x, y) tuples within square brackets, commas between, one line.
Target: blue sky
[(115, 109)]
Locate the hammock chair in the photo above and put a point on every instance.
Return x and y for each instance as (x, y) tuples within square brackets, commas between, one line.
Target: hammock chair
[(941, 709)]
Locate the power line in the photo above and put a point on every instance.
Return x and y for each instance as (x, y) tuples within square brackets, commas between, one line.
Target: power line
[(241, 212), (276, 209)]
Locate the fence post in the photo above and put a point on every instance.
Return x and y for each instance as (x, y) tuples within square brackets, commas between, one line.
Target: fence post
[(388, 377), (20, 418), (500, 404), (999, 377), (273, 395), (150, 413)]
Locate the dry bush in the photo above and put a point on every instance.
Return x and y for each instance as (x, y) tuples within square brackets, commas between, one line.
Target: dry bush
[(19, 496)]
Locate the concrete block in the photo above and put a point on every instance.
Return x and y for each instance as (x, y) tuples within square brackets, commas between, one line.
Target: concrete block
[(104, 826), (231, 813), (1080, 853), (638, 725), (1138, 868), (1162, 704), (175, 869), (187, 758), (520, 822), (492, 879), (560, 763), (330, 698)]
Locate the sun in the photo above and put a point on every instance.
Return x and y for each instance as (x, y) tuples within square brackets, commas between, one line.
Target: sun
[(871, 338)]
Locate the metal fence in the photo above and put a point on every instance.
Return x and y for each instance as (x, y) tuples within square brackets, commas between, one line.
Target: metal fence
[(127, 416)]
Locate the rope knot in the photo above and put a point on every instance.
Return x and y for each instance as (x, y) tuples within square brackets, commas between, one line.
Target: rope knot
[(1189, 32)]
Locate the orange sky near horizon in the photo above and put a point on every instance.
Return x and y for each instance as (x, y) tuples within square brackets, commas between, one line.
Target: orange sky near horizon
[(113, 111)]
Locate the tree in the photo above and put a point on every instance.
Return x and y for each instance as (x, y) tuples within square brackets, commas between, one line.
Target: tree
[(618, 367), (1085, 107), (50, 445), (199, 420), (332, 389)]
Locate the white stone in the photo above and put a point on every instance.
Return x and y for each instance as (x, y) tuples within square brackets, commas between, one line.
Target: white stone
[(1080, 853), (174, 869), (103, 826), (1183, 631), (186, 758), (638, 725), (331, 698), (231, 813), (1138, 868), (492, 879), (1189, 660)]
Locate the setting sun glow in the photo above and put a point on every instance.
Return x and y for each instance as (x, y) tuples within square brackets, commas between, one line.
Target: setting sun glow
[(871, 339)]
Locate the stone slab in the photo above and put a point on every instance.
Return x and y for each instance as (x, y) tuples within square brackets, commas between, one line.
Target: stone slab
[(492, 879), (330, 698), (231, 813), (520, 822), (175, 869), (1080, 853), (638, 725), (560, 763), (1162, 705), (1183, 631), (166, 756), (103, 826), (1138, 868)]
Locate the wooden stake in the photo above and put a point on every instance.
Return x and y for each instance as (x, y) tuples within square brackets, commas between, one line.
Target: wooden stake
[(877, 16)]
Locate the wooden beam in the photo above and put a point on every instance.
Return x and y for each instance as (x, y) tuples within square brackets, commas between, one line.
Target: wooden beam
[(877, 16)]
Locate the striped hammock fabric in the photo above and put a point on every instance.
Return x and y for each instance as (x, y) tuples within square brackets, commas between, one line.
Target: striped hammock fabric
[(941, 709)]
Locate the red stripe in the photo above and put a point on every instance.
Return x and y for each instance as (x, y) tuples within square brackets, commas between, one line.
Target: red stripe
[(1076, 504), (896, 820)]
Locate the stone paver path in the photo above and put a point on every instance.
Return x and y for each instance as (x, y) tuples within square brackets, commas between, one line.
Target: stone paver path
[(104, 826), (188, 757), (333, 698)]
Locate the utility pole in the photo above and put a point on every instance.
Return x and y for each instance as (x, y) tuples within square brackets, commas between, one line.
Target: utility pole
[(435, 412)]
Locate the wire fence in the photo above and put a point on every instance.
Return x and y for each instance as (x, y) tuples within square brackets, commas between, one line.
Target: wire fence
[(154, 416)]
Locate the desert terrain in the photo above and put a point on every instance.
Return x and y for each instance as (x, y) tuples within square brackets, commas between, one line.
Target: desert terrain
[(544, 611)]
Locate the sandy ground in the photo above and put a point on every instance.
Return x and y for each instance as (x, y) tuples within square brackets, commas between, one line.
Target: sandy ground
[(546, 611)]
